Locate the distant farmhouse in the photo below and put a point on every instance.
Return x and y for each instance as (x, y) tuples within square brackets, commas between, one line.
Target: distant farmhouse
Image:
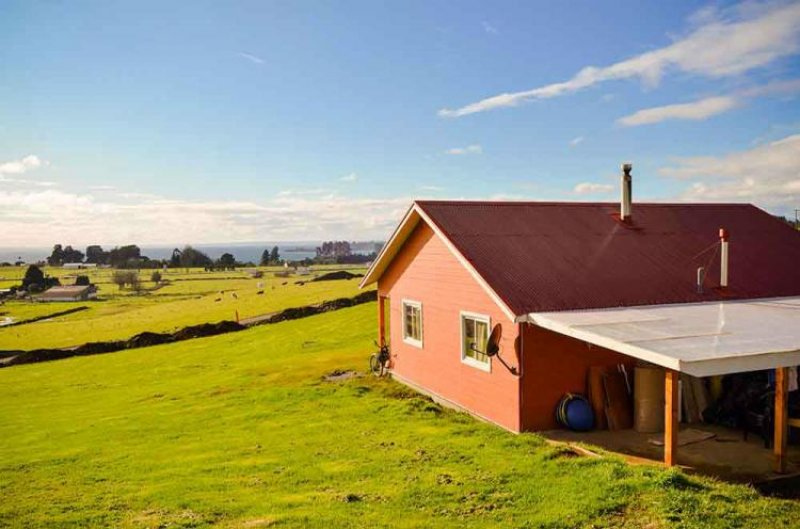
[(69, 293), (78, 266)]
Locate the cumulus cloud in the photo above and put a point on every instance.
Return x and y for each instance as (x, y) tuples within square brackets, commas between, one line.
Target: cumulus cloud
[(590, 188), (23, 165), (696, 110), (768, 175), (39, 217), (488, 28), (351, 177), (723, 44), (469, 149)]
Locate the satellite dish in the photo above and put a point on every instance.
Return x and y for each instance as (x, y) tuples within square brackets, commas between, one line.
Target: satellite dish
[(493, 343)]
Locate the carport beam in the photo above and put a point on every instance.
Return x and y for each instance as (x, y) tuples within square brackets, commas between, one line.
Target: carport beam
[(381, 320), (781, 418), (671, 418)]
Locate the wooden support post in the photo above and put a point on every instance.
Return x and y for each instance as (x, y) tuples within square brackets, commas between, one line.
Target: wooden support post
[(381, 320), (671, 418), (781, 418)]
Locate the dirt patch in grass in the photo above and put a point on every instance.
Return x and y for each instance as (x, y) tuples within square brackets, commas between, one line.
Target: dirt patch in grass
[(338, 275), (338, 375), (260, 522), (46, 316), (564, 452)]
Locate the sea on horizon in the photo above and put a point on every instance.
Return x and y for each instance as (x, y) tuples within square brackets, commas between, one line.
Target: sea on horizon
[(242, 252)]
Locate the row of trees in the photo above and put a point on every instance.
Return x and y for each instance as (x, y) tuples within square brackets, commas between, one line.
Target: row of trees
[(63, 255), (270, 257), (128, 256), (130, 278)]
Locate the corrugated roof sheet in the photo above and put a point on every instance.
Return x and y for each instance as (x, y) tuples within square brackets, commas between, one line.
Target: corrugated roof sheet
[(546, 256), (701, 339), (65, 291)]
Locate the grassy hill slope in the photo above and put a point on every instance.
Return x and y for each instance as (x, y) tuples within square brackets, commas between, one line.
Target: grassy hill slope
[(240, 430), (190, 299)]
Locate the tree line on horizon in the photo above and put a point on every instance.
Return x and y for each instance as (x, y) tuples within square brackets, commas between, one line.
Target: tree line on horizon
[(130, 257)]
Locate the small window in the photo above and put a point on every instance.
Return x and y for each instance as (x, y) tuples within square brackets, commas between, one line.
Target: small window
[(412, 323), (474, 339)]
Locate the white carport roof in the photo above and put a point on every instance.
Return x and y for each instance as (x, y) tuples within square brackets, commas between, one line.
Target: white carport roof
[(700, 339)]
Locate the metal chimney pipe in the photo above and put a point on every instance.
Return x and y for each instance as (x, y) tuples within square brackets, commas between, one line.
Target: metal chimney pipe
[(701, 277), (723, 260), (627, 191)]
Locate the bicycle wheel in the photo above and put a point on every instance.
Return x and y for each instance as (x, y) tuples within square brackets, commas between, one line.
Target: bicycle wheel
[(375, 364)]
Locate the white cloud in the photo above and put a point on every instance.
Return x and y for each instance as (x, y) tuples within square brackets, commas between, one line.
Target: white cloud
[(470, 149), (768, 175), (430, 188), (255, 59), (304, 192), (710, 106), (725, 44), (40, 218), (696, 110), (102, 188), (574, 142), (352, 177), (488, 28), (784, 87), (588, 188), (23, 165)]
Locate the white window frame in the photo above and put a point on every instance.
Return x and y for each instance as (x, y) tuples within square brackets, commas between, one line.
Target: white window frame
[(409, 339), (483, 366)]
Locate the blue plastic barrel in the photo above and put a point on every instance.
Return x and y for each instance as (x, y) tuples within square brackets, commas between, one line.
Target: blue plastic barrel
[(575, 413)]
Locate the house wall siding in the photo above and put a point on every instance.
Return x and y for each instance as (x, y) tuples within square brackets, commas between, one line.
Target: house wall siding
[(426, 271), (555, 364)]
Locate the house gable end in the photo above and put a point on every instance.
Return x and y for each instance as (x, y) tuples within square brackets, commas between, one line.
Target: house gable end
[(398, 240)]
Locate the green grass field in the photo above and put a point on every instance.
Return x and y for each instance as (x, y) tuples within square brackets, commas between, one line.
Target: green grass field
[(188, 298), (240, 430)]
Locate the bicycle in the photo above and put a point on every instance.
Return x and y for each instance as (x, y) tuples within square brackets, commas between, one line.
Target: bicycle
[(379, 362)]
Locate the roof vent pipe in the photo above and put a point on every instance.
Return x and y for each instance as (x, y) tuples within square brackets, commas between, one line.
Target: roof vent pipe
[(701, 277), (625, 204), (723, 262)]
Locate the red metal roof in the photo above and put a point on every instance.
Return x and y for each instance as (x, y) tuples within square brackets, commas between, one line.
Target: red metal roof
[(545, 256)]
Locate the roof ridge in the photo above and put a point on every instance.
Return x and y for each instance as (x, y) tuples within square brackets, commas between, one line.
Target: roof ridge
[(576, 203)]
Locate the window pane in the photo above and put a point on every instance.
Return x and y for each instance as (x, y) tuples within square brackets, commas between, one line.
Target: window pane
[(412, 322), (476, 335)]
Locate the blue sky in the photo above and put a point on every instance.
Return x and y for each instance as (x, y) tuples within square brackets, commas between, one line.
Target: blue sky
[(190, 122)]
